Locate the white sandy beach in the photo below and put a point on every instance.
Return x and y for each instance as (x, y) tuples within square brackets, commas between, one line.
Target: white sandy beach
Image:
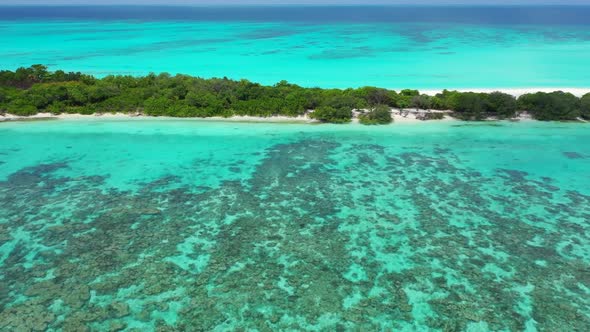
[(397, 118), (131, 116)]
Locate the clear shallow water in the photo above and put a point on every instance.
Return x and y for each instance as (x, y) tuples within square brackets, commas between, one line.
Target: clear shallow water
[(392, 47), (215, 226)]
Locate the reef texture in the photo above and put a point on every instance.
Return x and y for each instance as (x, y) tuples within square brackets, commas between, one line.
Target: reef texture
[(376, 241)]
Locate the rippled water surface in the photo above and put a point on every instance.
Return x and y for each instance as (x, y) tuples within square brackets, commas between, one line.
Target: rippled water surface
[(191, 225), (391, 47)]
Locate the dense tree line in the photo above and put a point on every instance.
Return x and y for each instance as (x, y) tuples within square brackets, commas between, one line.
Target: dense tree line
[(552, 106), (28, 91)]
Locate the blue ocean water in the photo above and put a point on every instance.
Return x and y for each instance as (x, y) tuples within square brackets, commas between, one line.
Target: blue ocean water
[(172, 225), (187, 225), (348, 46)]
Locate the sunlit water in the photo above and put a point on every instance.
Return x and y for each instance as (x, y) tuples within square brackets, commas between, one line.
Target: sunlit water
[(192, 225), (391, 47)]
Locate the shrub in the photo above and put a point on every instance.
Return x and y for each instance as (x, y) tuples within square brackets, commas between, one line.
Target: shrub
[(381, 114), (332, 115), (21, 107), (501, 105), (422, 102), (551, 106), (470, 106), (585, 106)]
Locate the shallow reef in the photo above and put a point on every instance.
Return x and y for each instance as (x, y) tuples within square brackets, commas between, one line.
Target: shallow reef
[(322, 235)]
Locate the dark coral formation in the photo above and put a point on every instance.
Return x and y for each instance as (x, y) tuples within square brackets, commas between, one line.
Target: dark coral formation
[(313, 241)]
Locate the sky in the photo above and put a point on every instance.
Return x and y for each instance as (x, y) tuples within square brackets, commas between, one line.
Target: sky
[(274, 2)]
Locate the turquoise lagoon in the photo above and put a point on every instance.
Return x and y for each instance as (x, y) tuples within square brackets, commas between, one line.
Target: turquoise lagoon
[(217, 226), (390, 47)]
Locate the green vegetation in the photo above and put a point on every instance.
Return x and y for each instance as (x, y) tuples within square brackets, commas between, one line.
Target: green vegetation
[(476, 106), (28, 91), (332, 115), (501, 105), (585, 106), (422, 102), (381, 114), (471, 106), (551, 106)]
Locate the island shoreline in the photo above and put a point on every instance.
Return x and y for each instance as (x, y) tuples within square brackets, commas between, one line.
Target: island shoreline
[(411, 118), (37, 93)]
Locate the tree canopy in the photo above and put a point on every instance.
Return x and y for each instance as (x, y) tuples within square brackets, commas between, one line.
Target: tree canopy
[(381, 114), (332, 115), (585, 106), (27, 91), (551, 106)]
